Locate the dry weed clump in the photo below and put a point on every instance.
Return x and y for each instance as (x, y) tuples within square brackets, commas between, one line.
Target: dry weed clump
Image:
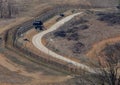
[(110, 18)]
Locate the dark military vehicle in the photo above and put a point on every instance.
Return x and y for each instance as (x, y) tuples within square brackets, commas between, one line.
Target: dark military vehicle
[(62, 15), (38, 25)]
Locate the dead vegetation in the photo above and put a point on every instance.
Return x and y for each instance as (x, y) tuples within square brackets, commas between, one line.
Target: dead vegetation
[(71, 33), (21, 71), (109, 58), (8, 8), (10, 77), (70, 30), (78, 48), (110, 18), (87, 30)]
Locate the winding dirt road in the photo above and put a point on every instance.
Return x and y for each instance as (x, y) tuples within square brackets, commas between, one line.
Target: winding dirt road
[(37, 42)]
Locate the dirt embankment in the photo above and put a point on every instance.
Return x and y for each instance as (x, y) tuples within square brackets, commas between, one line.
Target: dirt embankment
[(96, 48), (22, 76)]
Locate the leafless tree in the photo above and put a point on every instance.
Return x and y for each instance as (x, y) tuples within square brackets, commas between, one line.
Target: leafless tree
[(109, 67), (7, 8), (9, 5), (110, 64), (1, 8)]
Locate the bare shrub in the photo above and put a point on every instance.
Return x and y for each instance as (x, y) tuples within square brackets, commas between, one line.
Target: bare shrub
[(70, 30), (79, 21), (110, 18), (78, 47), (60, 34), (73, 36), (8, 8), (109, 63), (83, 27)]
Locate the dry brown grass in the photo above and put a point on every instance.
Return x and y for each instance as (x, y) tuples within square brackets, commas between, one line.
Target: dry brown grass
[(50, 22), (96, 48), (92, 37), (33, 8), (38, 77), (17, 21), (47, 25), (53, 20), (14, 23)]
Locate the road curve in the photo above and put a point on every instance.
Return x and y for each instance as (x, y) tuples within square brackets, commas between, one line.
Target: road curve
[(37, 42)]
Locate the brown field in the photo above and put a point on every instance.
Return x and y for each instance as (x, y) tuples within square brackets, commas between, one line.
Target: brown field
[(94, 38), (23, 66), (17, 70), (30, 8)]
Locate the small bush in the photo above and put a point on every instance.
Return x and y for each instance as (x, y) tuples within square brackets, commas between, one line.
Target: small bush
[(111, 50), (110, 18), (72, 30), (112, 53), (77, 28), (83, 27), (79, 21), (78, 47), (60, 34), (73, 36)]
